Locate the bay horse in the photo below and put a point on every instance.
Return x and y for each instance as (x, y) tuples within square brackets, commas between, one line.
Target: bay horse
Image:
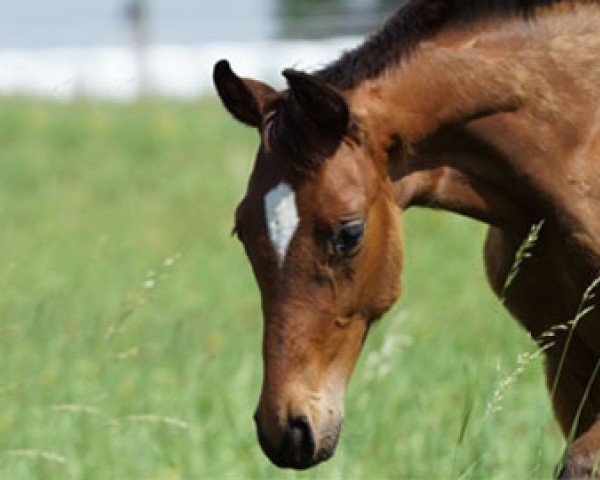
[(488, 109)]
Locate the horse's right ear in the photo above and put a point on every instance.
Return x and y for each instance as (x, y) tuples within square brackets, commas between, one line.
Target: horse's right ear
[(245, 99)]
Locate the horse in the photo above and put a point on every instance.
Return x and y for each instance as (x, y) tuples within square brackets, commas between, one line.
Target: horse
[(489, 109)]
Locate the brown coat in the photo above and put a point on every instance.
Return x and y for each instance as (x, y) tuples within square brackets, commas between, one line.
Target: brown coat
[(472, 109)]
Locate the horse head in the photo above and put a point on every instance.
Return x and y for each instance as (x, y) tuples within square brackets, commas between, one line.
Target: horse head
[(320, 228)]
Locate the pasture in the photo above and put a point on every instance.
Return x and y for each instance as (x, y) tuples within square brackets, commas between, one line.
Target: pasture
[(130, 323)]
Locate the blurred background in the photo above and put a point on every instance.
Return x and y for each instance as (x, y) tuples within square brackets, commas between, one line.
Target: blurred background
[(123, 48), (130, 323)]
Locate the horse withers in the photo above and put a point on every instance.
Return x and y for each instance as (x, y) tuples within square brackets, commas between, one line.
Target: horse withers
[(488, 109)]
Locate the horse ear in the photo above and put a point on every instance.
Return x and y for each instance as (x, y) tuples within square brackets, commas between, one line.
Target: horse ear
[(319, 101), (245, 99)]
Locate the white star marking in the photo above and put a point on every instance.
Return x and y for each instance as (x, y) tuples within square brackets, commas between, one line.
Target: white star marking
[(282, 218)]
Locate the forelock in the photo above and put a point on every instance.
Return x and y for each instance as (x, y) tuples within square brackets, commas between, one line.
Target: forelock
[(293, 138)]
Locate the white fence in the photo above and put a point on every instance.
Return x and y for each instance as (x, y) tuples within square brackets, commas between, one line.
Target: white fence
[(165, 70)]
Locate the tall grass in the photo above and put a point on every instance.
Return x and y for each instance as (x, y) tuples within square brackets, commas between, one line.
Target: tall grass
[(130, 321)]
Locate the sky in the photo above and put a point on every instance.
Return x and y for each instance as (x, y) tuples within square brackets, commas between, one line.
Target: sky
[(59, 23)]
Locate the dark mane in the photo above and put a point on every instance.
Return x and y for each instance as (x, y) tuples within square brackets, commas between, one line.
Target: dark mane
[(414, 22)]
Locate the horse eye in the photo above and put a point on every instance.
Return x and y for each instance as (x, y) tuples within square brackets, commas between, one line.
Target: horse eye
[(347, 238)]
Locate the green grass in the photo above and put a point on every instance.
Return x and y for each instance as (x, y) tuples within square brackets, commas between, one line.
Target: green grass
[(105, 378)]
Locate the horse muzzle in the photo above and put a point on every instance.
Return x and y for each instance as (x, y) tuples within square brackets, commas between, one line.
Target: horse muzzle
[(300, 446)]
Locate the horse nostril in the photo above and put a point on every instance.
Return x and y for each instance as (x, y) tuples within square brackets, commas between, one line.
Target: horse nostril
[(302, 441)]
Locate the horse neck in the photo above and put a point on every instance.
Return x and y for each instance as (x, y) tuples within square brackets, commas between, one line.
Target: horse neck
[(470, 126)]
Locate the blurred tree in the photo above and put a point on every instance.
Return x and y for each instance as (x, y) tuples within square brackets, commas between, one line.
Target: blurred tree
[(294, 8), (311, 7), (321, 18), (391, 4)]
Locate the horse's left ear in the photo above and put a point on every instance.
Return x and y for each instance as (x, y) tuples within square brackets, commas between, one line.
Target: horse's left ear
[(324, 105), (244, 98)]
